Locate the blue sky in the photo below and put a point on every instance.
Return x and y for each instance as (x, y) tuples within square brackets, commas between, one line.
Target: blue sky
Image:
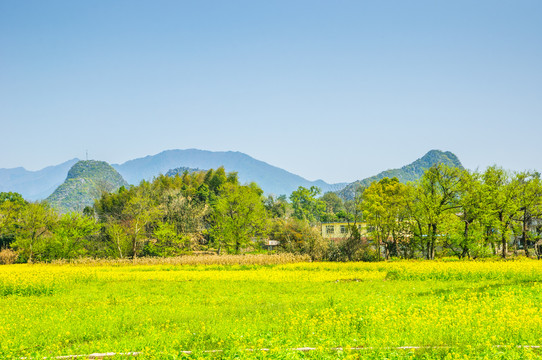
[(337, 90)]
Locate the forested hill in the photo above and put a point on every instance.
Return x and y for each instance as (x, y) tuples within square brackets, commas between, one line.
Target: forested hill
[(34, 185), (410, 172), (85, 182), (271, 179)]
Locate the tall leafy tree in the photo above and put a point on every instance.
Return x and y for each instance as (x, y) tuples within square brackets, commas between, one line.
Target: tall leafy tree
[(119, 240), (34, 224), (10, 206), (238, 216), (500, 200), (71, 234), (186, 214), (278, 207), (140, 211), (469, 211), (333, 202), (429, 201), (167, 241), (384, 207), (530, 203), (306, 205)]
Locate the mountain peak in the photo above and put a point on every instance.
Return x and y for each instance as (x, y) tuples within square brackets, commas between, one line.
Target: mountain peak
[(437, 156), (407, 173), (85, 182), (88, 169)]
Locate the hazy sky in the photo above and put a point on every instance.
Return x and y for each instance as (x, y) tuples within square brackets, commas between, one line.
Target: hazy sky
[(337, 90)]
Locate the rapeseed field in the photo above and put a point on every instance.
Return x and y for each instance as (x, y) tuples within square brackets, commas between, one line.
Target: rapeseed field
[(394, 310)]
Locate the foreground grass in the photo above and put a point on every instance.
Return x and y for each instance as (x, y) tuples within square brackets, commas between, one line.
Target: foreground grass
[(452, 310)]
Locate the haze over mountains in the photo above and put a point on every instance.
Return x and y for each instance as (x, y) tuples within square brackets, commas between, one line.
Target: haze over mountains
[(34, 185), (37, 185)]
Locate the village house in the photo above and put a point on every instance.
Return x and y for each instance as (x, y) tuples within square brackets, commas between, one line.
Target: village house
[(340, 230)]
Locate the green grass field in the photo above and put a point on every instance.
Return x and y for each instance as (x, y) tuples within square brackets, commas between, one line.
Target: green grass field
[(451, 310)]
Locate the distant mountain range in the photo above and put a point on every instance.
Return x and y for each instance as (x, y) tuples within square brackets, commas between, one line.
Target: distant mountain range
[(271, 179), (407, 173), (85, 182), (36, 185)]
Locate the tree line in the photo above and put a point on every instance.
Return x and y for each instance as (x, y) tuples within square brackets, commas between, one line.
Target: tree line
[(448, 212), (454, 212)]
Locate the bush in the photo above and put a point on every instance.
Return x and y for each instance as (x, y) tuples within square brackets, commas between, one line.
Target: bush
[(298, 237), (8, 256)]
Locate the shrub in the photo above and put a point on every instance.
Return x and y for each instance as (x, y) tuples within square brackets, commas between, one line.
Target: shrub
[(298, 237), (8, 256)]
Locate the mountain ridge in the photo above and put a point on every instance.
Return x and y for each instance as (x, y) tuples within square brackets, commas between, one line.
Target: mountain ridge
[(36, 185), (407, 173), (272, 179)]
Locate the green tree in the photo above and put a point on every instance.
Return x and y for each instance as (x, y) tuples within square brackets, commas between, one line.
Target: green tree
[(186, 213), (305, 204), (278, 207), (71, 234), (140, 211), (530, 204), (333, 202), (34, 224), (12, 197), (217, 179), (467, 234), (500, 200), (238, 216), (353, 208), (167, 241), (109, 206), (384, 208), (429, 201), (118, 237), (11, 205)]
